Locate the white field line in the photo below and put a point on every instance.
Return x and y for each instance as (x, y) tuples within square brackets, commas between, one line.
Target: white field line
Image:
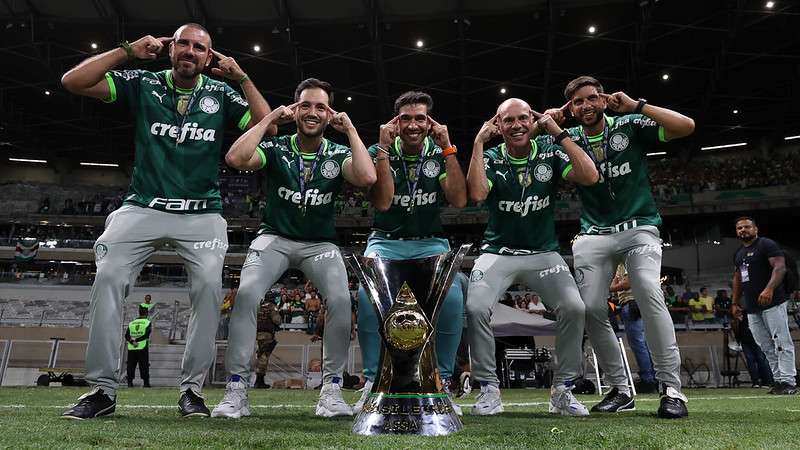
[(311, 405)]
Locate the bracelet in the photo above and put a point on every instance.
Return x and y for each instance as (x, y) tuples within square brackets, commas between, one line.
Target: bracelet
[(125, 45), (385, 151), (381, 158), (561, 136), (449, 151), (639, 106), (244, 78)]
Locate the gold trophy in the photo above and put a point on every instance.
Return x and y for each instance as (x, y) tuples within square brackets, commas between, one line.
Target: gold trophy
[(407, 395)]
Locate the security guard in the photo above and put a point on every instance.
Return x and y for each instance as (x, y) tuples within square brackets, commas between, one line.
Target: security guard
[(267, 321), (138, 337)]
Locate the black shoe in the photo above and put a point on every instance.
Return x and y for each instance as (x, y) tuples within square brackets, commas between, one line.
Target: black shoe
[(782, 388), (95, 403), (615, 401), (130, 383), (773, 387), (672, 406), (260, 384), (192, 405), (147, 384)]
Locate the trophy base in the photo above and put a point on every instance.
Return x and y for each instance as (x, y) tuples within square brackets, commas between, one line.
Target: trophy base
[(420, 414)]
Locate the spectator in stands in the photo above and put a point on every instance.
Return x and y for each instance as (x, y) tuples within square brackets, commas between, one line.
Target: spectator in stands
[(754, 358), (699, 309), (758, 279), (708, 304), (148, 303), (225, 313), (535, 306), (44, 207), (689, 294), (138, 336), (267, 322), (313, 306), (297, 310), (722, 306), (678, 308)]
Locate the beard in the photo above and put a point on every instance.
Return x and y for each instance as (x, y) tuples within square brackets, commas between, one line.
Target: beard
[(745, 237), (301, 129), (185, 72), (598, 117)]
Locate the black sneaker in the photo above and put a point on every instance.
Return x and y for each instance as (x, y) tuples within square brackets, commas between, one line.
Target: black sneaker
[(615, 401), (192, 405), (94, 403), (673, 404), (782, 388)]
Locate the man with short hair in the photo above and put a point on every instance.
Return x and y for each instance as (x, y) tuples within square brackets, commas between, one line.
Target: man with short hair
[(518, 181), (304, 172), (148, 302), (267, 322), (174, 197), (759, 279), (619, 223), (416, 165), (708, 304)]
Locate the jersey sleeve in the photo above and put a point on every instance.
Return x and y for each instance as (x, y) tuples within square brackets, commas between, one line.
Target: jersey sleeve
[(488, 165), (237, 110), (438, 154), (266, 150), (647, 129), (123, 86), (344, 156), (373, 151), (770, 248)]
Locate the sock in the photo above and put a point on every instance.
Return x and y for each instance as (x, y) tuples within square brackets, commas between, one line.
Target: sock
[(624, 390)]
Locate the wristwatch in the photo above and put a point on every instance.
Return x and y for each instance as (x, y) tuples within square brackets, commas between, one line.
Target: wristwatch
[(639, 106)]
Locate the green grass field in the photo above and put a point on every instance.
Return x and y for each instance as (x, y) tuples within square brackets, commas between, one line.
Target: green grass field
[(720, 418)]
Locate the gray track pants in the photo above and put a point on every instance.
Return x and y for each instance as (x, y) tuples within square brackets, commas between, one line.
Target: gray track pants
[(546, 274), (596, 259), (268, 258), (770, 329), (132, 234)]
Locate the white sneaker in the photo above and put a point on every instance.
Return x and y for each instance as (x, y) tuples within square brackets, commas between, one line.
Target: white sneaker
[(456, 407), (488, 402), (563, 402), (234, 404), (331, 403), (365, 391)]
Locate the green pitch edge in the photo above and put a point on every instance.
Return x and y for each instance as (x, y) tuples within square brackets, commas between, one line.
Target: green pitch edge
[(409, 395)]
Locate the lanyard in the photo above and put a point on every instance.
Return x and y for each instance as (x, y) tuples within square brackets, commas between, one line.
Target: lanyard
[(604, 147), (412, 188), (181, 135), (522, 183), (301, 168)]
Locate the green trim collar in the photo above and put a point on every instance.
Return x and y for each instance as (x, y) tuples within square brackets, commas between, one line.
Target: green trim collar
[(307, 155), (427, 147), (599, 136), (198, 85), (513, 160)]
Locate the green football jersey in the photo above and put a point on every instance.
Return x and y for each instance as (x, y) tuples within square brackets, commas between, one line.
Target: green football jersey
[(522, 197), (176, 167), (287, 213), (623, 192), (424, 176)]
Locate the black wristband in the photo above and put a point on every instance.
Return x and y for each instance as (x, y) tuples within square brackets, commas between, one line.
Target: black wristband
[(639, 106), (561, 136)]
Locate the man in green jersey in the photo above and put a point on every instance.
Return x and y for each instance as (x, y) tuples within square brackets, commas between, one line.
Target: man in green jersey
[(619, 224), (304, 172), (173, 198), (518, 180), (415, 164)]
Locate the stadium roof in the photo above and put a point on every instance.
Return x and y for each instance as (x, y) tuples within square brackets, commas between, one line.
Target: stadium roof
[(732, 65)]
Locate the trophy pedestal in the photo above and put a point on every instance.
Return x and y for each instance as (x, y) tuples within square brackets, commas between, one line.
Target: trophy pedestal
[(421, 414)]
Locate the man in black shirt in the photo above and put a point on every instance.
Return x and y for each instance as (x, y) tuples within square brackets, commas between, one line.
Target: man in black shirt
[(758, 279)]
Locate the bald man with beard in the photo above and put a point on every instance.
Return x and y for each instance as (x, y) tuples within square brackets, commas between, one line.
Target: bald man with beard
[(517, 182)]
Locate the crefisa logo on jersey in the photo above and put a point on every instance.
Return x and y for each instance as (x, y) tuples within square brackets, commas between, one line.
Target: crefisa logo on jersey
[(431, 168), (330, 169), (619, 141), (543, 172), (209, 105)]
